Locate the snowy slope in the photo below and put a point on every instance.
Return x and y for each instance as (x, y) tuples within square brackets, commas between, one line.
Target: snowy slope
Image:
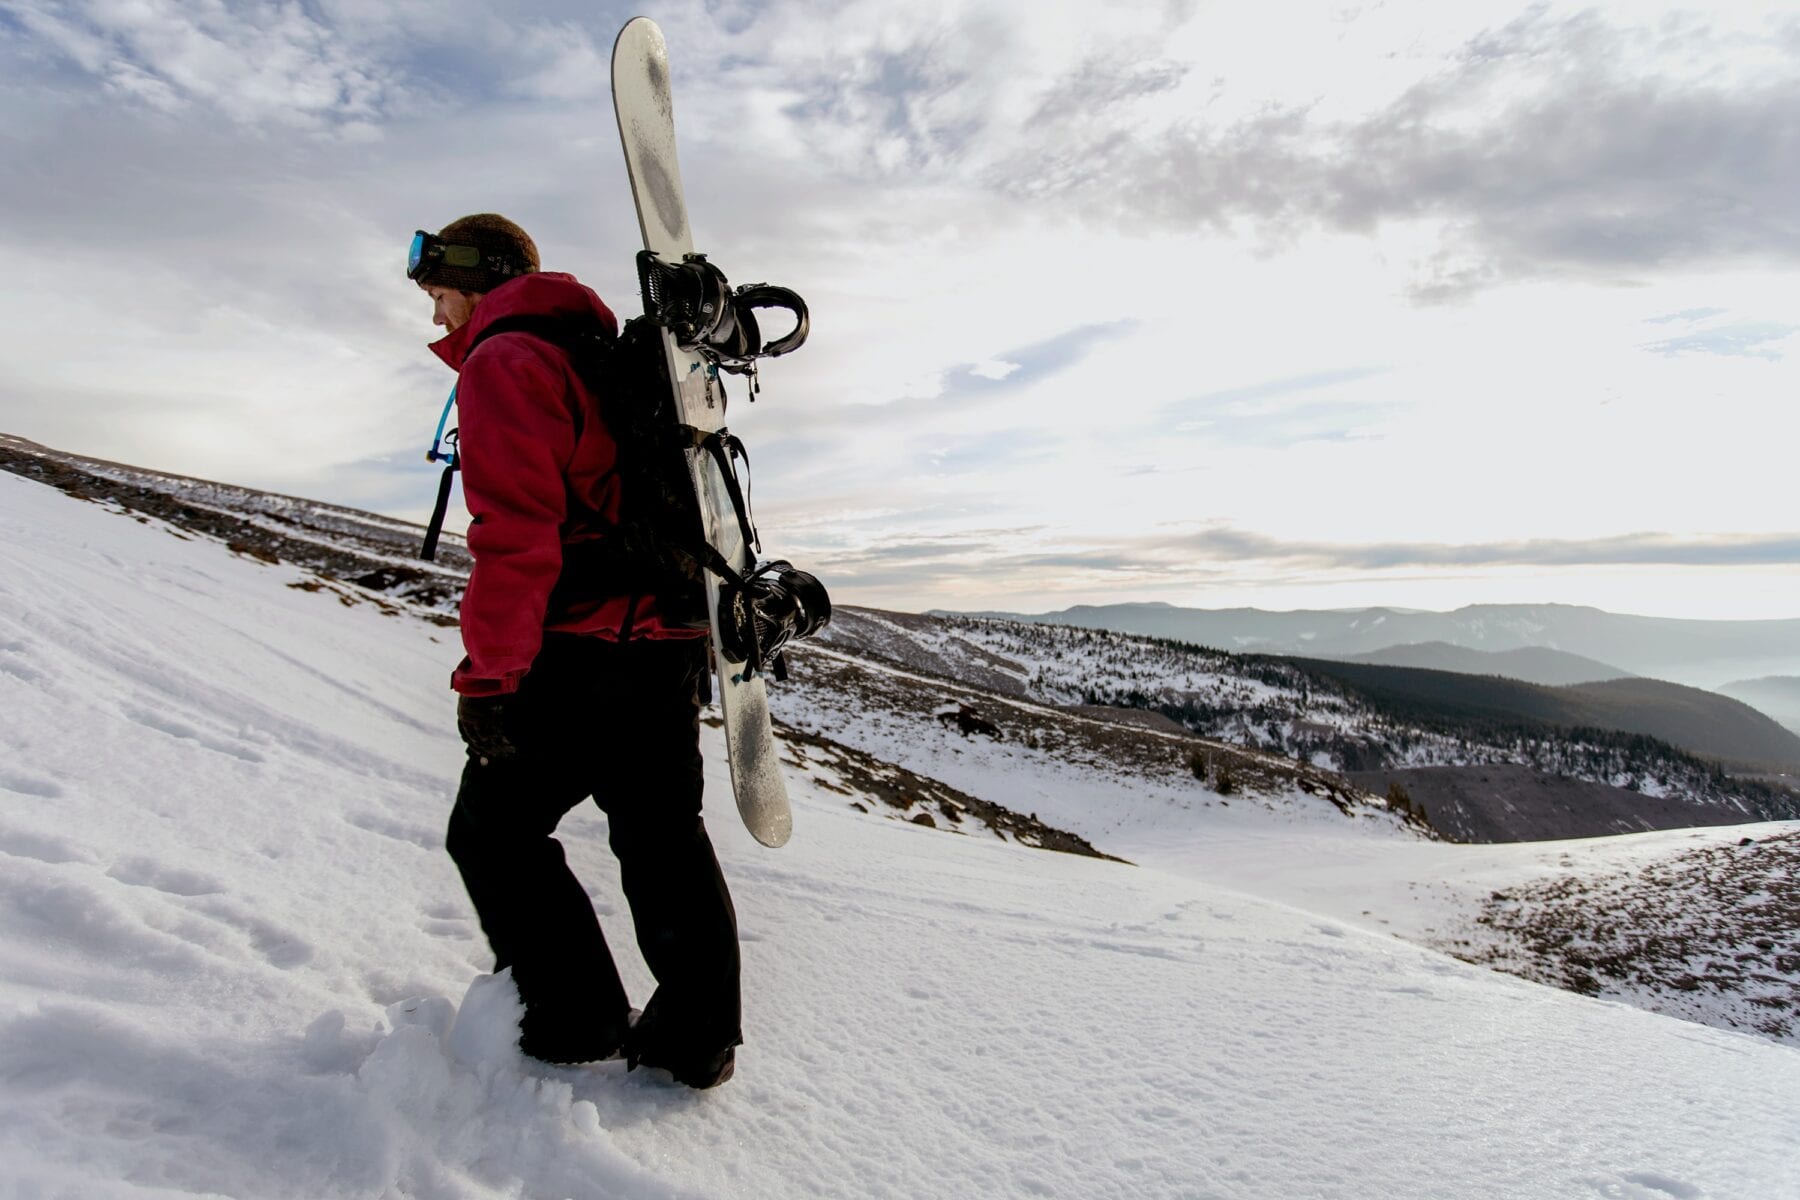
[(232, 955), (1301, 710)]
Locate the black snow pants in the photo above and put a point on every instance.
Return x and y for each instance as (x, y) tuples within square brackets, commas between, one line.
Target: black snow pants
[(618, 722)]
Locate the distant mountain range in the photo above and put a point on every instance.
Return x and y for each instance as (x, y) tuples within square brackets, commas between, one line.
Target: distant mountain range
[(1699, 653), (1533, 664), (1697, 721), (1777, 695)]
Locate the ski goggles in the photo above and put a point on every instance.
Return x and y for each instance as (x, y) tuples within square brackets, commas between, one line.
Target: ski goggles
[(428, 251)]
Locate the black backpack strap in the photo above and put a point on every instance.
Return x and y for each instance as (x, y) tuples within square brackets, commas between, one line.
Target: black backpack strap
[(428, 551), (724, 447), (585, 342), (563, 332)]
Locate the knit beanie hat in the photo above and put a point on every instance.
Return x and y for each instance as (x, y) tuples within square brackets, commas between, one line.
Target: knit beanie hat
[(494, 236)]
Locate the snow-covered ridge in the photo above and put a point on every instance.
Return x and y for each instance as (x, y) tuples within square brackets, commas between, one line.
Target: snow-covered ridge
[(362, 557), (1277, 707), (1119, 784), (375, 553)]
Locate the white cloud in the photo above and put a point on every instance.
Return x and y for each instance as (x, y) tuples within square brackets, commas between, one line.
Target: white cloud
[(993, 368), (571, 66), (206, 278), (249, 62)]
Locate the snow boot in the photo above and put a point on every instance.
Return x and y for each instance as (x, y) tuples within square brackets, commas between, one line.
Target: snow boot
[(648, 1046), (567, 1043)]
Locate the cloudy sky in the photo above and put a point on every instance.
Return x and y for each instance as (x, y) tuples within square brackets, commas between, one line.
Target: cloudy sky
[(1290, 305)]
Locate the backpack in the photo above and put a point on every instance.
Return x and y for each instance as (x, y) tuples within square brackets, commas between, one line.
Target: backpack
[(658, 546)]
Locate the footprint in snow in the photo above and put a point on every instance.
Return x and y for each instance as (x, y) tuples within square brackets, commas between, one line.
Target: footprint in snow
[(280, 948), (1427, 993), (12, 663), (20, 844), (148, 873), (1645, 1185), (425, 839), (30, 785), (177, 729)]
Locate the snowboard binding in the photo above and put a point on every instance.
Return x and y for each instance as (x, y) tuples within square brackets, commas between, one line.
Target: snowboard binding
[(765, 610), (696, 303)]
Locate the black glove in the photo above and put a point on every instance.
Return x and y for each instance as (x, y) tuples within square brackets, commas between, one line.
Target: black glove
[(486, 724)]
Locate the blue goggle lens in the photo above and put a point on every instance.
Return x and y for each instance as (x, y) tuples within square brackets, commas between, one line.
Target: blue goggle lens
[(416, 255)]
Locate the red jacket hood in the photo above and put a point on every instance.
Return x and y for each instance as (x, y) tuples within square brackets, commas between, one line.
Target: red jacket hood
[(539, 471), (540, 294)]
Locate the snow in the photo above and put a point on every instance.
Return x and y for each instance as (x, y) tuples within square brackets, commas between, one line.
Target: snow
[(1267, 705), (1124, 811), (235, 962)]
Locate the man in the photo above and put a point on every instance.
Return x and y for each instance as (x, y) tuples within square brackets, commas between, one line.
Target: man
[(574, 684)]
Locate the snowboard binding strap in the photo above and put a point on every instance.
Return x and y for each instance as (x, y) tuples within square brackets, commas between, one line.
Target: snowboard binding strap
[(761, 613), (724, 447), (695, 302)]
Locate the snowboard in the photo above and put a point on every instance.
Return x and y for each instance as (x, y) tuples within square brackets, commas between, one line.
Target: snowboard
[(645, 108)]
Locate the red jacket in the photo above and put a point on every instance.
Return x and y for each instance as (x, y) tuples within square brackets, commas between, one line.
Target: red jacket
[(537, 469)]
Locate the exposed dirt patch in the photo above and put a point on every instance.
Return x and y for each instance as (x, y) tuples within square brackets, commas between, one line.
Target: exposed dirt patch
[(1140, 717), (1711, 935), (1505, 802)]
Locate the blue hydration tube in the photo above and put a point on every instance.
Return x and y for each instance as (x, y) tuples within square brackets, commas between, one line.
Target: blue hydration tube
[(447, 456), (451, 461)]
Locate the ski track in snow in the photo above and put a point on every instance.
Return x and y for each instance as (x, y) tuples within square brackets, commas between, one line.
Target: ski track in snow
[(234, 961)]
